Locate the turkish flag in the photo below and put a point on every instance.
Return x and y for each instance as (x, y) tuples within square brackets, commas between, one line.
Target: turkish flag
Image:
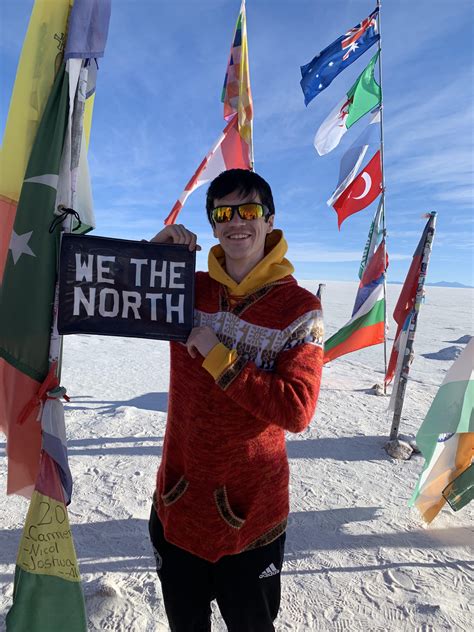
[(361, 192)]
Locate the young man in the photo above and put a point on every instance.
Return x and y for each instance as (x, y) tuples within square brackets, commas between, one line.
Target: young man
[(250, 371)]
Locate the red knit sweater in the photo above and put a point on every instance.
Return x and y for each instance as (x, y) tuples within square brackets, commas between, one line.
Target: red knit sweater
[(222, 486)]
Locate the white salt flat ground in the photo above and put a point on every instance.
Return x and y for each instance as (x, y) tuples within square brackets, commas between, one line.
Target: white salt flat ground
[(357, 557)]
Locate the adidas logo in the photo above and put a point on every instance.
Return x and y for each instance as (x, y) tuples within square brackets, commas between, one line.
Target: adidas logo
[(269, 571)]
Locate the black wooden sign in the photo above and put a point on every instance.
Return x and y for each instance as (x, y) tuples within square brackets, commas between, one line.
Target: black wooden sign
[(117, 287)]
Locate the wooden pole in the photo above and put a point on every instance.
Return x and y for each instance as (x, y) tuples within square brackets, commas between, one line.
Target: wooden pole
[(408, 351)]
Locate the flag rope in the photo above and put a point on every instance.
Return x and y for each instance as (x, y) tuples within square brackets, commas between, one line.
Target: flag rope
[(382, 162)]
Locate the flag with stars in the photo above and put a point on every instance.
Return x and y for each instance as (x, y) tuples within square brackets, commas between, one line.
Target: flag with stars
[(27, 291), (322, 69), (28, 254)]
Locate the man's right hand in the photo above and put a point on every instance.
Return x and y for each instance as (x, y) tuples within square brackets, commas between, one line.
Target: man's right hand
[(177, 234)]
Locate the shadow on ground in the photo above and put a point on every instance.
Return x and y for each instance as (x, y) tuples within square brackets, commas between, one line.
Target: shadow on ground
[(123, 545), (147, 401)]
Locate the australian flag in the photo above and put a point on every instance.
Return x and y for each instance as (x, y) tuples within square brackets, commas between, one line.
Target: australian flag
[(318, 74)]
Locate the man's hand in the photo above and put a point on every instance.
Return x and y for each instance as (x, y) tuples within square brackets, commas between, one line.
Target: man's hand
[(201, 340), (177, 234)]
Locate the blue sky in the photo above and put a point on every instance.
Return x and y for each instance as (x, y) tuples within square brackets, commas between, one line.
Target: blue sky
[(158, 112)]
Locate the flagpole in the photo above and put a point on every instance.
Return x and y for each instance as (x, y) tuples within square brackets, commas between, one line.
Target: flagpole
[(408, 351), (384, 230)]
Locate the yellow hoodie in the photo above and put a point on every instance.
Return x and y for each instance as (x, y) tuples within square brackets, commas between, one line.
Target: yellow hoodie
[(271, 268)]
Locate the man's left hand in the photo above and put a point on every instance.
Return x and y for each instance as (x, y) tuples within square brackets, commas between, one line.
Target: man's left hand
[(201, 340)]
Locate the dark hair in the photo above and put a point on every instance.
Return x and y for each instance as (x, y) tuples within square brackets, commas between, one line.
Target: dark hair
[(242, 181)]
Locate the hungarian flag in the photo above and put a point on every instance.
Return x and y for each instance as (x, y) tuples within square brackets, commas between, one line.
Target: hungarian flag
[(446, 440), (322, 69), (406, 301), (367, 325), (361, 192), (236, 93), (229, 152), (362, 97)]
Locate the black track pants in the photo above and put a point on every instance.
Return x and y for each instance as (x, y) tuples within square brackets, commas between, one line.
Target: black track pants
[(246, 586)]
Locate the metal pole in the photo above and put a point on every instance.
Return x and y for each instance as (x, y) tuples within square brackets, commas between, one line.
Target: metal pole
[(408, 351), (384, 230)]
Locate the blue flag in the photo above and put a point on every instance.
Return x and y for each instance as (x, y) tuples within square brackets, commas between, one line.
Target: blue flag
[(318, 74)]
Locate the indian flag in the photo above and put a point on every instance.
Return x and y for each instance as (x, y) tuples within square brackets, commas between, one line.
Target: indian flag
[(446, 436), (362, 97), (367, 325)]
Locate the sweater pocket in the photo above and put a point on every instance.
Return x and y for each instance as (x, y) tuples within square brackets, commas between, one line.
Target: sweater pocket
[(175, 492), (225, 510)]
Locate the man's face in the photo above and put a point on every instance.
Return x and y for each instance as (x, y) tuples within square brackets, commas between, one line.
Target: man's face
[(242, 240)]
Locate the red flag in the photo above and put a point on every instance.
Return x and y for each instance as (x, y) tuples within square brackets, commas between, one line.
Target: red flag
[(361, 192), (229, 152), (406, 300)]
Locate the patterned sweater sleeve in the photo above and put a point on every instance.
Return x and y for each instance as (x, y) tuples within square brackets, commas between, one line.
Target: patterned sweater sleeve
[(288, 394)]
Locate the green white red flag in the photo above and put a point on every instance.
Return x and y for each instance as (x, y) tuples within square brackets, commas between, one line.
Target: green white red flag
[(446, 439), (364, 95)]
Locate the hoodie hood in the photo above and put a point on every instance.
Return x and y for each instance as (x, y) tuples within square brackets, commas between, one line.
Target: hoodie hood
[(271, 268)]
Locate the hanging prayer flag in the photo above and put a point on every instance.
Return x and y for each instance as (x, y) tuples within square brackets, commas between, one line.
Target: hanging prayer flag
[(373, 238), (446, 438), (236, 93), (229, 152), (44, 41), (47, 593), (354, 156), (406, 300), (319, 73), (367, 325), (363, 96), (26, 294), (361, 192)]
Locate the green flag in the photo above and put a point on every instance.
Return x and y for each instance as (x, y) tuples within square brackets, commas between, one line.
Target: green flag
[(361, 98)]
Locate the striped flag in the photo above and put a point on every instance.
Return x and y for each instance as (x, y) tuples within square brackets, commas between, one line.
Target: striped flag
[(30, 253), (373, 238), (367, 325), (44, 40), (47, 593), (446, 438), (406, 301), (229, 152), (27, 292), (236, 92)]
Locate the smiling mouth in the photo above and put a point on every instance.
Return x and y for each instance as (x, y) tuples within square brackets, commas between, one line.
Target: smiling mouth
[(238, 236)]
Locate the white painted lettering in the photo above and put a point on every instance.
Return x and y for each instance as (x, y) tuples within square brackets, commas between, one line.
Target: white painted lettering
[(175, 275), (103, 311), (179, 308), (158, 273), (104, 269), (131, 300), (138, 271), (153, 299), (81, 299), (83, 269)]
